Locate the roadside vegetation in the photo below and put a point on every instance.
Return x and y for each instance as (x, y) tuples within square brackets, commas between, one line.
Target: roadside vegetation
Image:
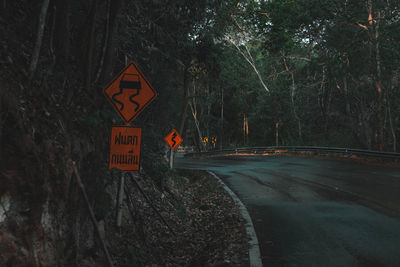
[(235, 73)]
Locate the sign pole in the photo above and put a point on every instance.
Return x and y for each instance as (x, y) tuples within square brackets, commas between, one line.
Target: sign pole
[(171, 160), (173, 139), (129, 93), (120, 199)]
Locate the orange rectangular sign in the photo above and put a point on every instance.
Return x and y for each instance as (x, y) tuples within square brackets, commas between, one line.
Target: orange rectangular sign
[(125, 148)]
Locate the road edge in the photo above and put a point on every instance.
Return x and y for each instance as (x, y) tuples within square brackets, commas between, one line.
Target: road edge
[(254, 249)]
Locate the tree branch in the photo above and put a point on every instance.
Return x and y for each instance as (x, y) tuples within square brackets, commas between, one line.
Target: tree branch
[(39, 38)]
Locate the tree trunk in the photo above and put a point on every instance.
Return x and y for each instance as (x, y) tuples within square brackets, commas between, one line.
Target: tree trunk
[(197, 123), (39, 37), (62, 32), (292, 95), (208, 113), (248, 57), (346, 93), (221, 135), (245, 130), (91, 46), (321, 94), (349, 119), (106, 39), (376, 59), (108, 65), (186, 75), (392, 130), (193, 107), (246, 54), (378, 86)]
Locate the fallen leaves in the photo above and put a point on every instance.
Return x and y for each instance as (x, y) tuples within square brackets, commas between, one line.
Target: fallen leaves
[(208, 227)]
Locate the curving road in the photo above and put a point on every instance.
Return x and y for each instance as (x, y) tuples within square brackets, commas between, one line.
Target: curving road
[(315, 212)]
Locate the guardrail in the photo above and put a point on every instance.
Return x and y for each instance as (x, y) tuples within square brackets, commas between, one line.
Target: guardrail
[(299, 149)]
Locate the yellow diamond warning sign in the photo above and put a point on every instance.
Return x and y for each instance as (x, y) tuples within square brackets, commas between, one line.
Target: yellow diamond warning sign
[(125, 148), (130, 93)]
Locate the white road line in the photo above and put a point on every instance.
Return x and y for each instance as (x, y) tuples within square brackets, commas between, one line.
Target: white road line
[(254, 249)]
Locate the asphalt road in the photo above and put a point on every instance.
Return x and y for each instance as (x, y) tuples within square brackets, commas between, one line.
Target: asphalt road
[(315, 212)]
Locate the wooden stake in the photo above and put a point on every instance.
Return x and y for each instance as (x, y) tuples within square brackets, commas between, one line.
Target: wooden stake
[(91, 213), (151, 204)]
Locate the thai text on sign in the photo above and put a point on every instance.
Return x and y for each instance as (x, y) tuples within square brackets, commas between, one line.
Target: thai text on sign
[(125, 148)]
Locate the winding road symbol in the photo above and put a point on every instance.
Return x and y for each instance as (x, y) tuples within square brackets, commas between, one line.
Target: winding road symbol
[(173, 139), (128, 82)]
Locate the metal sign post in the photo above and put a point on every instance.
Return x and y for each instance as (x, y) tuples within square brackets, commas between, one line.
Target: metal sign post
[(171, 159), (120, 199), (173, 140), (129, 93), (124, 155)]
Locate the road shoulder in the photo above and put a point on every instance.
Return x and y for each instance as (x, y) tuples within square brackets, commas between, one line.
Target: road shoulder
[(254, 250)]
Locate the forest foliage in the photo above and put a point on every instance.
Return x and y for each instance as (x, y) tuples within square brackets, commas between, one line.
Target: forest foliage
[(235, 73), (323, 72)]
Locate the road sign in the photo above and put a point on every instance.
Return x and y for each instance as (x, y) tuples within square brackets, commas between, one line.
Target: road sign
[(130, 93), (125, 148), (173, 139)]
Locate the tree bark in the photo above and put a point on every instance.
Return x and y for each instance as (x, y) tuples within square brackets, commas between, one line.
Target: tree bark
[(39, 37)]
